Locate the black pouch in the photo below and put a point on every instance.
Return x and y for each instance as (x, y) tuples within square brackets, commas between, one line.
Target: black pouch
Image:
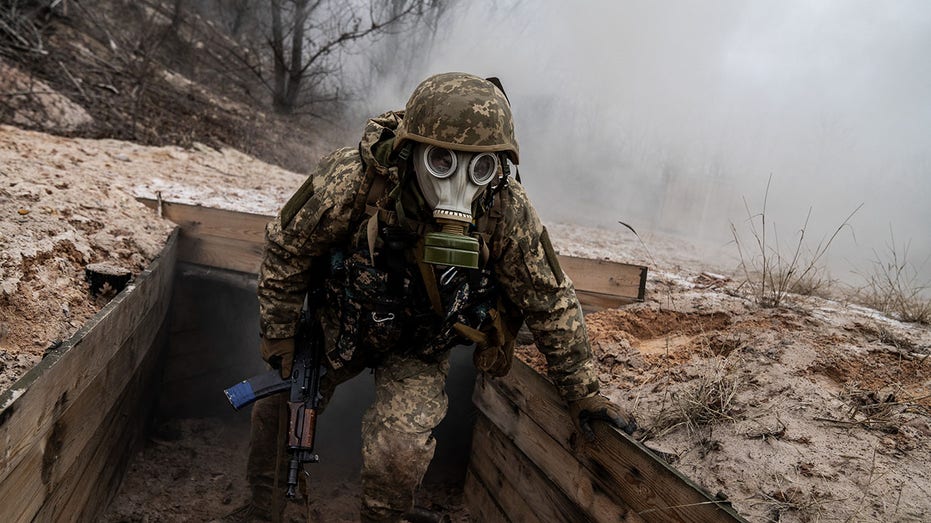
[(371, 308)]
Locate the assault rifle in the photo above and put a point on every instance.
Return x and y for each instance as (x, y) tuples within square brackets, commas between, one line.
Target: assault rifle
[(304, 399)]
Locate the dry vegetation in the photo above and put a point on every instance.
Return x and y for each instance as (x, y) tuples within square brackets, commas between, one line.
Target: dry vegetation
[(893, 286), (772, 270)]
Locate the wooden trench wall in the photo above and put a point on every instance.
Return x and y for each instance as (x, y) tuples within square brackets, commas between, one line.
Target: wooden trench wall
[(70, 425)]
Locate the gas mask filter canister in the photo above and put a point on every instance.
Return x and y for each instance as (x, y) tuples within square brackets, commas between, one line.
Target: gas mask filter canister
[(450, 182)]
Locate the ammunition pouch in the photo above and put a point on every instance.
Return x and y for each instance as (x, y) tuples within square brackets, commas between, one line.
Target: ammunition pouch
[(385, 307), (376, 309)]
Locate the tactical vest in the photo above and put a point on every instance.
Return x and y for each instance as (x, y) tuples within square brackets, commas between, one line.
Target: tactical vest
[(389, 301)]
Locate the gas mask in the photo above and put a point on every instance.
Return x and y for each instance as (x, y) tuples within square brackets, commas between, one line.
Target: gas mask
[(450, 182)]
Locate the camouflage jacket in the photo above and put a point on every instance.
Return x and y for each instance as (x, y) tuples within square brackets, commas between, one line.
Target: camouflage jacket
[(327, 212)]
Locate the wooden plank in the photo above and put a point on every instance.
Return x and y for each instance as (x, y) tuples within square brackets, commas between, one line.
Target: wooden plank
[(63, 375), (594, 302), (77, 434), (108, 416), (479, 501), (615, 462), (521, 489), (491, 466), (215, 237), (606, 277), (62, 400), (143, 392), (224, 253), (560, 465), (197, 220), (19, 504)]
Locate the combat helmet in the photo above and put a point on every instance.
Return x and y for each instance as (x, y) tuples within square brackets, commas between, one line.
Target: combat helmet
[(459, 111)]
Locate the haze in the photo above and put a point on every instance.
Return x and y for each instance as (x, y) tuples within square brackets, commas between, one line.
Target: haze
[(668, 116)]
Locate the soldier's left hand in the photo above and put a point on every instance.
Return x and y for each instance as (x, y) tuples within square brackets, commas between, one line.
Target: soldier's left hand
[(600, 408)]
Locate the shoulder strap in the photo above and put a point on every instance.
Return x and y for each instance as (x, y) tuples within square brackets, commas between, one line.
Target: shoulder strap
[(488, 222)]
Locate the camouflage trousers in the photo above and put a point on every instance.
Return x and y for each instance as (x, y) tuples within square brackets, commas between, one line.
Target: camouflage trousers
[(397, 438)]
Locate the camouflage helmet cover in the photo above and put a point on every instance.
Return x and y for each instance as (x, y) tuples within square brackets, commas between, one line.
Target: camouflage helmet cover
[(459, 111)]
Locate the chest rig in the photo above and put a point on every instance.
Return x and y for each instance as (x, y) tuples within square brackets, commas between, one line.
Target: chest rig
[(389, 300)]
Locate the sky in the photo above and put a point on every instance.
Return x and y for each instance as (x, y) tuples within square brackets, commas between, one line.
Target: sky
[(676, 116)]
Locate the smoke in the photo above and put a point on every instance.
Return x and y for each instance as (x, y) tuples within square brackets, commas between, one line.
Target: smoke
[(673, 116)]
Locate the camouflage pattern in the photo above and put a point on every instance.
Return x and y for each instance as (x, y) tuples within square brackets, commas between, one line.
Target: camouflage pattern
[(266, 454), (397, 441), (536, 285), (328, 214), (529, 278), (323, 221), (462, 112)]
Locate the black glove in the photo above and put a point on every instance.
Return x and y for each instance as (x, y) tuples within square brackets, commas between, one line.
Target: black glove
[(599, 408)]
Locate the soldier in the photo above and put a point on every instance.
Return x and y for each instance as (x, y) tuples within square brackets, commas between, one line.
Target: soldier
[(414, 242)]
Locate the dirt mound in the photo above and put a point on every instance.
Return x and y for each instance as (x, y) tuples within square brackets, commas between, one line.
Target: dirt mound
[(812, 411)]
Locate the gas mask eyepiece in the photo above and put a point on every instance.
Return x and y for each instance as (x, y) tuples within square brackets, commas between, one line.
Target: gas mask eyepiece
[(450, 182)]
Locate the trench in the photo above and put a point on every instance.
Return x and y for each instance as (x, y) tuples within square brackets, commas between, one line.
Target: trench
[(192, 463)]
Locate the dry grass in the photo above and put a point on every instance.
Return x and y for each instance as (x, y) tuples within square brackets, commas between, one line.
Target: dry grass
[(893, 287), (707, 400), (808, 506), (773, 271)]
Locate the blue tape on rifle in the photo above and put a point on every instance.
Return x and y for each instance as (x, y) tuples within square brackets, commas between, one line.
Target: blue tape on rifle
[(240, 394)]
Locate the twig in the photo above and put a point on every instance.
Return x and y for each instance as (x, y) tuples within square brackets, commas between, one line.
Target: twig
[(108, 87), (72, 78)]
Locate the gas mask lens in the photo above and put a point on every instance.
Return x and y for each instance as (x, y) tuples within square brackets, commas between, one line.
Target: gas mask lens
[(483, 168), (440, 162)]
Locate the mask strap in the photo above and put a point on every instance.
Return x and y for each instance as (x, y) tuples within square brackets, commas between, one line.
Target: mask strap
[(395, 193)]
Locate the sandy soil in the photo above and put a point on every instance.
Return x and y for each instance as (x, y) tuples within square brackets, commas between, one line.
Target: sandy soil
[(67, 203), (815, 411), (818, 410), (194, 470)]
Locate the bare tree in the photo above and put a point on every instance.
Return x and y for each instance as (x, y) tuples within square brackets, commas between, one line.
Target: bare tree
[(292, 47)]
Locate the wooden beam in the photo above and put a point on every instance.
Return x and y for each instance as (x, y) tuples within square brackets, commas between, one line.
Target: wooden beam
[(108, 451), (523, 404), (594, 301), (606, 277), (224, 253), (235, 241), (523, 490), (198, 220)]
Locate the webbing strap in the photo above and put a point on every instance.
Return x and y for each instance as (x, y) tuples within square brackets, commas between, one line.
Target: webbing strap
[(371, 231), (429, 282), (472, 334)]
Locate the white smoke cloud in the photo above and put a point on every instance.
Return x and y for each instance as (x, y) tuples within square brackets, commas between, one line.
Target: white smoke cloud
[(667, 115)]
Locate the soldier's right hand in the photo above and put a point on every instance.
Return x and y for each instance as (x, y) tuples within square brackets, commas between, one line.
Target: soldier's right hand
[(279, 353), (600, 408)]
